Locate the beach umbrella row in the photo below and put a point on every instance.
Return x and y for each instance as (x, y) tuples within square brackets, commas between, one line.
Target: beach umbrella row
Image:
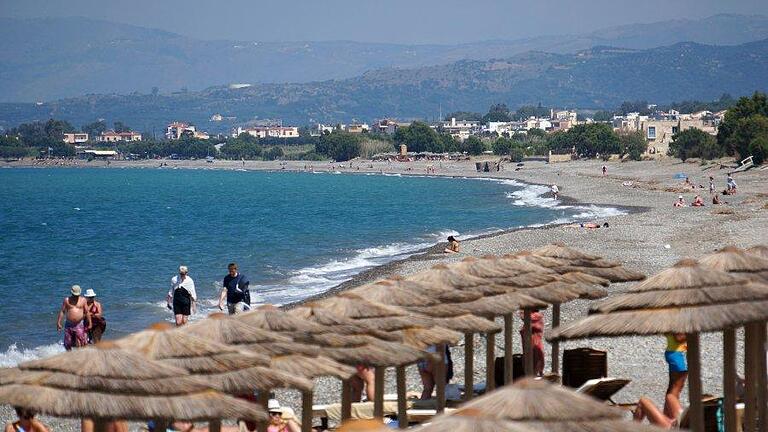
[(693, 298), (268, 348)]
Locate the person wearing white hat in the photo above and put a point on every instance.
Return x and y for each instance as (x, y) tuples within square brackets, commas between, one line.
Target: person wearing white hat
[(680, 202), (75, 310), (277, 421), (182, 296), (96, 311)]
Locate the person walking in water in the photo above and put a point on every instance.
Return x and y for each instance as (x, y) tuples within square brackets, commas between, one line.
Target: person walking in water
[(555, 191), (235, 291), (75, 310), (95, 310), (182, 296)]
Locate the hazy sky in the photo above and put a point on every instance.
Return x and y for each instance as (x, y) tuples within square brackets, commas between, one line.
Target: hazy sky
[(402, 21)]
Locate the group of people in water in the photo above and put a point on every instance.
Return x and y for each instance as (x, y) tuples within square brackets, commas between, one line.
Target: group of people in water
[(81, 317), (730, 189)]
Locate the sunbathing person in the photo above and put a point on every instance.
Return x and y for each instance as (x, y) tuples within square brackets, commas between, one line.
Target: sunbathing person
[(453, 245), (680, 202), (667, 419), (697, 202), (593, 225), (362, 380)]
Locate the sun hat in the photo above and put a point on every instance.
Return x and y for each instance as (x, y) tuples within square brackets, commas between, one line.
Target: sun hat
[(679, 197), (76, 290), (90, 293), (274, 406)]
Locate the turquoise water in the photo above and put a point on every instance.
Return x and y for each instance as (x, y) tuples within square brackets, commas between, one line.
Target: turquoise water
[(123, 232)]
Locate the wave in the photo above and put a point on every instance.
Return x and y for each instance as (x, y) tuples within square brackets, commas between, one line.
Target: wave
[(15, 355)]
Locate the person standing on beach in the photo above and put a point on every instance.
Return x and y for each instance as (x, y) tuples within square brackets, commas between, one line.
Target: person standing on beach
[(182, 296), (75, 309), (605, 170), (99, 324), (235, 291), (555, 191), (711, 185), (675, 356)]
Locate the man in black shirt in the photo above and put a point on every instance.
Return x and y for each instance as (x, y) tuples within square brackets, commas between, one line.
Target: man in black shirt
[(235, 291)]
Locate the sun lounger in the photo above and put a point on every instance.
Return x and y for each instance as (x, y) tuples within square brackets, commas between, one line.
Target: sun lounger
[(583, 364), (364, 410), (603, 388)]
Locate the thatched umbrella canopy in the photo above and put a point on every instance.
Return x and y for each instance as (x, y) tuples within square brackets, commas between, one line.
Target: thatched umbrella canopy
[(226, 368), (273, 319), (734, 260), (223, 329), (537, 406), (117, 384), (739, 262), (311, 367), (614, 272), (513, 273), (686, 298), (759, 250), (206, 405)]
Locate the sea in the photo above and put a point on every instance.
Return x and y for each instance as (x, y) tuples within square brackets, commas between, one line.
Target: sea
[(124, 232)]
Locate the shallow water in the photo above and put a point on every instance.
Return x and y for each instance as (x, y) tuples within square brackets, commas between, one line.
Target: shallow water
[(123, 232)]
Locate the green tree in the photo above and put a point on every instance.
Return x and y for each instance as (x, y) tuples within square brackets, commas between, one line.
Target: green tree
[(589, 140), (602, 116), (498, 113), (502, 146), (95, 129), (694, 143), (121, 127), (419, 137), (536, 132), (758, 148), (339, 146), (527, 111), (242, 147), (633, 144), (57, 128), (473, 146), (730, 135), (274, 153)]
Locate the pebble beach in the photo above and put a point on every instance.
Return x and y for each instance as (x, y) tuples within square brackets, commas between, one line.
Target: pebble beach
[(648, 236)]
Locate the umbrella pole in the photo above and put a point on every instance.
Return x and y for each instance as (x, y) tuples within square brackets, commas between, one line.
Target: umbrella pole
[(490, 358), (556, 344), (440, 378), (346, 400), (729, 379), (378, 391), (509, 325), (750, 378), (100, 425), (696, 412), (527, 348), (306, 411), (402, 407), (762, 378), (214, 425), (469, 364), (263, 400)]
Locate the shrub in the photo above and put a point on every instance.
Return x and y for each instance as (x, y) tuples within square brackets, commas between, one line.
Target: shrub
[(694, 143), (758, 148), (274, 153), (339, 146)]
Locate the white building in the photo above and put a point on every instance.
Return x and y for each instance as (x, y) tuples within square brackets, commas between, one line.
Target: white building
[(176, 130), (112, 136), (75, 138), (268, 131), (460, 129)]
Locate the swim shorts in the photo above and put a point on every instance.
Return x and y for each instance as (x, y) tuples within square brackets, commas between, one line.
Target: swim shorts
[(74, 335), (676, 361)]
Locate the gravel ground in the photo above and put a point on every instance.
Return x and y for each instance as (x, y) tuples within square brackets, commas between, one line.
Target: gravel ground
[(651, 237)]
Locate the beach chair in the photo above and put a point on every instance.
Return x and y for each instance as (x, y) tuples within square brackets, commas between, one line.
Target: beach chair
[(603, 388), (583, 364)]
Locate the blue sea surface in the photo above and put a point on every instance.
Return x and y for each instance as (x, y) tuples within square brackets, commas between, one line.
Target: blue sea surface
[(124, 232)]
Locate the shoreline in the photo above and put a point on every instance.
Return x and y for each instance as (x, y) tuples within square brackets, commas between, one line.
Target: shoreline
[(649, 237)]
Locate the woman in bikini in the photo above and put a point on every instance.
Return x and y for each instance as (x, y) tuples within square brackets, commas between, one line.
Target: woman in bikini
[(98, 323)]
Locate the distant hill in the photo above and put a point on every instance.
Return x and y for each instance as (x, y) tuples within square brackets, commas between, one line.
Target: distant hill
[(47, 59), (601, 77)]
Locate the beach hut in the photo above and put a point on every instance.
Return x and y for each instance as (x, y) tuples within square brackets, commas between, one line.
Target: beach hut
[(686, 298), (225, 368), (736, 261), (532, 405), (107, 383)]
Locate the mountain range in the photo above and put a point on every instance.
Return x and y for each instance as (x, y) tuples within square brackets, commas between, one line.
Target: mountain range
[(45, 59), (599, 77)]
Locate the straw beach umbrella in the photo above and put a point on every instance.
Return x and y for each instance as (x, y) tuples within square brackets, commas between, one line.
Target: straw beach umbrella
[(117, 384), (737, 261), (759, 250), (413, 331), (223, 329), (686, 298), (535, 406)]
